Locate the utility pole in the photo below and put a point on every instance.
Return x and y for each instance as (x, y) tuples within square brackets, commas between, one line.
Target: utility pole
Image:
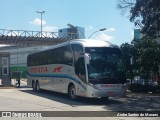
[(41, 12)]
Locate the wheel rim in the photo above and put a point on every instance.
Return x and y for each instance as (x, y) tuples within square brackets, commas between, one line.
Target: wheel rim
[(72, 92)]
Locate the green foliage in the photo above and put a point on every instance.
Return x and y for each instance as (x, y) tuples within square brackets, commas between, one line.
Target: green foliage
[(146, 53), (147, 13), (148, 56), (144, 13), (127, 53)]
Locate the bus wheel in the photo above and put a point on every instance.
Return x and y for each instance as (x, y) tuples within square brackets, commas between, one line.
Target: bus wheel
[(33, 85), (104, 98), (72, 92), (37, 87)]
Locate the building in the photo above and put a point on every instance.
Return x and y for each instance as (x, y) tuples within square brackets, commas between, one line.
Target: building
[(137, 34), (18, 54), (18, 57), (72, 33)]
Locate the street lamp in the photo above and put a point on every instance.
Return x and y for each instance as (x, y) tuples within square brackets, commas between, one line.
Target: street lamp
[(74, 27), (97, 31), (41, 12)]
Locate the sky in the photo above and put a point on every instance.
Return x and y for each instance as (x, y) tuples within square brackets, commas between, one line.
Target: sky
[(89, 14)]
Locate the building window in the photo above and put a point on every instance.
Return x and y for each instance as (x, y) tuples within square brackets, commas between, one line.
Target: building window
[(5, 66)]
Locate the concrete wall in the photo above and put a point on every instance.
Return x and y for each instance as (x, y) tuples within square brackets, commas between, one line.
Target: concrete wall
[(4, 68)]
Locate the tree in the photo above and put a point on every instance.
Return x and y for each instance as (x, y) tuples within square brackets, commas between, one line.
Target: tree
[(125, 5), (127, 53), (148, 57), (144, 13), (146, 53)]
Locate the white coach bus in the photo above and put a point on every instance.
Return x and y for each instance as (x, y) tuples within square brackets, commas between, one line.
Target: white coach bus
[(84, 67)]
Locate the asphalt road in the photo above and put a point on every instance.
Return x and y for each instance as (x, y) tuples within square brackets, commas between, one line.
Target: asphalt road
[(24, 99)]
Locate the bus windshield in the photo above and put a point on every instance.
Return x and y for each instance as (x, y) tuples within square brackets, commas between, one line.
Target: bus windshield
[(106, 66)]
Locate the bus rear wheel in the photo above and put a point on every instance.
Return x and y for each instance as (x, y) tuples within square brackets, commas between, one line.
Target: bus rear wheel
[(72, 92), (34, 85), (37, 87)]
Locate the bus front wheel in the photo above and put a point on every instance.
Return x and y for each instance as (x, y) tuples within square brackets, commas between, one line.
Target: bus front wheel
[(104, 98), (72, 92)]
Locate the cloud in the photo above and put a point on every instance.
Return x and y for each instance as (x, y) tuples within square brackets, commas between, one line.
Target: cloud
[(46, 27), (101, 35), (90, 28), (111, 29), (104, 37), (50, 28), (37, 21)]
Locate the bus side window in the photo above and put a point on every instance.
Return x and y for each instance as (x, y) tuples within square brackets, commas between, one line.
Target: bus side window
[(67, 57), (79, 61), (82, 73)]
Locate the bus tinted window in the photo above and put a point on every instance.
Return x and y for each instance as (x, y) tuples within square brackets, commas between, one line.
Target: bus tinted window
[(106, 66), (79, 61), (62, 55), (67, 57)]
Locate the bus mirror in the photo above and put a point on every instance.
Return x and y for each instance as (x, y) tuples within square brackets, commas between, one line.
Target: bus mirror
[(87, 58)]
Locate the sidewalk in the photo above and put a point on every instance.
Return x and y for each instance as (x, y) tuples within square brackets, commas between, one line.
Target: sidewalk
[(13, 84)]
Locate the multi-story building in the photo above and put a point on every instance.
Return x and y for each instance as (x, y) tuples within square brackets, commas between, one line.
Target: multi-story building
[(72, 33)]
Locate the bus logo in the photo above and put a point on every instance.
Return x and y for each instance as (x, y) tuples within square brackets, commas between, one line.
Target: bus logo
[(110, 85), (58, 69)]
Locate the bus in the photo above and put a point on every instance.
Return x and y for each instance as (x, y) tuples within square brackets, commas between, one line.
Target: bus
[(80, 67)]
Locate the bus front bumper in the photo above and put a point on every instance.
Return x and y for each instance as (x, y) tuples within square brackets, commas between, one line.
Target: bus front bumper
[(106, 93)]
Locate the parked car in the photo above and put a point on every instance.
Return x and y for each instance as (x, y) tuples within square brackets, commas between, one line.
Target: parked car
[(156, 86), (142, 85)]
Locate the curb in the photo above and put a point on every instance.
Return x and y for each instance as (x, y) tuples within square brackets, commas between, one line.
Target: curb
[(6, 87)]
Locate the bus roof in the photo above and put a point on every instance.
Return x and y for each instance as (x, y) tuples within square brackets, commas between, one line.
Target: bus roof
[(87, 43), (84, 42), (92, 43)]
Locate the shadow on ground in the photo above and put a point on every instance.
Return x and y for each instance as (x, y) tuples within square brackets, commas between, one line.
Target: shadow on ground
[(132, 101)]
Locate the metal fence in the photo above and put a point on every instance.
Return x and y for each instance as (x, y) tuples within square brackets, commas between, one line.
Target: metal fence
[(25, 33)]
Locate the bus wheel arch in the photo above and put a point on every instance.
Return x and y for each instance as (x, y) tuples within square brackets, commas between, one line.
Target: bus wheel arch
[(72, 91)]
